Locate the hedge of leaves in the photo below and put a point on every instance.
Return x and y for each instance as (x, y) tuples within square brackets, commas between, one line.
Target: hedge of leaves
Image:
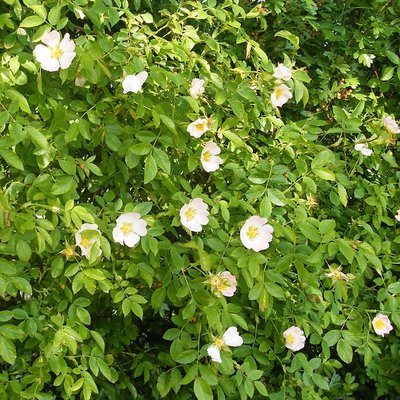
[(199, 199)]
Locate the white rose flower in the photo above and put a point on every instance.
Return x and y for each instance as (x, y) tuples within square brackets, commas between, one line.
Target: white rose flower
[(197, 88), (223, 283), (231, 338), (282, 72), (198, 127), (397, 216), (295, 338), (256, 234), (209, 158), (194, 215), (280, 95), (56, 54), (134, 83), (337, 275), (390, 124), (130, 227), (86, 237), (363, 149), (381, 325)]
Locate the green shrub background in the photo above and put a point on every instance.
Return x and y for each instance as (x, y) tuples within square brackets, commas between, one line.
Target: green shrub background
[(136, 323)]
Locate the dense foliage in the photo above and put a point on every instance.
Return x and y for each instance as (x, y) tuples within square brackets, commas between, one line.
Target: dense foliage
[(129, 262)]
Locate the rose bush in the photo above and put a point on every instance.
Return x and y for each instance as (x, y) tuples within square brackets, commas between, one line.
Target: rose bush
[(200, 199)]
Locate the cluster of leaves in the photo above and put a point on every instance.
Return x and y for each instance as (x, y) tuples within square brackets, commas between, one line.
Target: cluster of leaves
[(136, 323)]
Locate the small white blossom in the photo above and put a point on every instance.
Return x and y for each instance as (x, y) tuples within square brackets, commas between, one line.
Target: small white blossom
[(366, 59), (256, 234), (56, 54), (134, 83), (363, 149), (397, 216), (280, 95), (86, 237), (80, 14), (390, 124), (223, 283), (194, 215), (295, 338), (198, 127), (197, 88), (209, 157), (130, 227), (231, 338), (381, 325), (337, 275), (282, 72)]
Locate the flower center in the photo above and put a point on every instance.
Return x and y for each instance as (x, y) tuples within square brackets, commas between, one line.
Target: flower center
[(252, 232), (290, 339), (85, 242), (190, 213), (200, 126), (278, 92), (206, 156), (69, 252), (126, 228), (379, 324), (56, 53), (219, 342)]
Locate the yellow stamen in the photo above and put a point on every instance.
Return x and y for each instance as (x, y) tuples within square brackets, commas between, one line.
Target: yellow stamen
[(379, 324), (200, 127), (219, 342), (206, 156), (69, 252), (252, 232), (190, 213), (278, 92), (86, 242), (126, 228), (290, 339), (56, 53)]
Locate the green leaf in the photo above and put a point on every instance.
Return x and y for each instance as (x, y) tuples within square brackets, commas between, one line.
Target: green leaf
[(95, 274), (345, 351), (150, 169), (320, 381), (11, 159), (84, 214), (7, 350), (310, 232), (289, 36), (24, 251), (20, 99), (162, 160), (346, 250), (186, 356), (37, 137), (332, 337), (63, 185), (202, 389), (163, 384), (342, 194), (99, 339), (141, 149), (393, 57), (54, 15), (32, 21), (12, 332), (325, 174)]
